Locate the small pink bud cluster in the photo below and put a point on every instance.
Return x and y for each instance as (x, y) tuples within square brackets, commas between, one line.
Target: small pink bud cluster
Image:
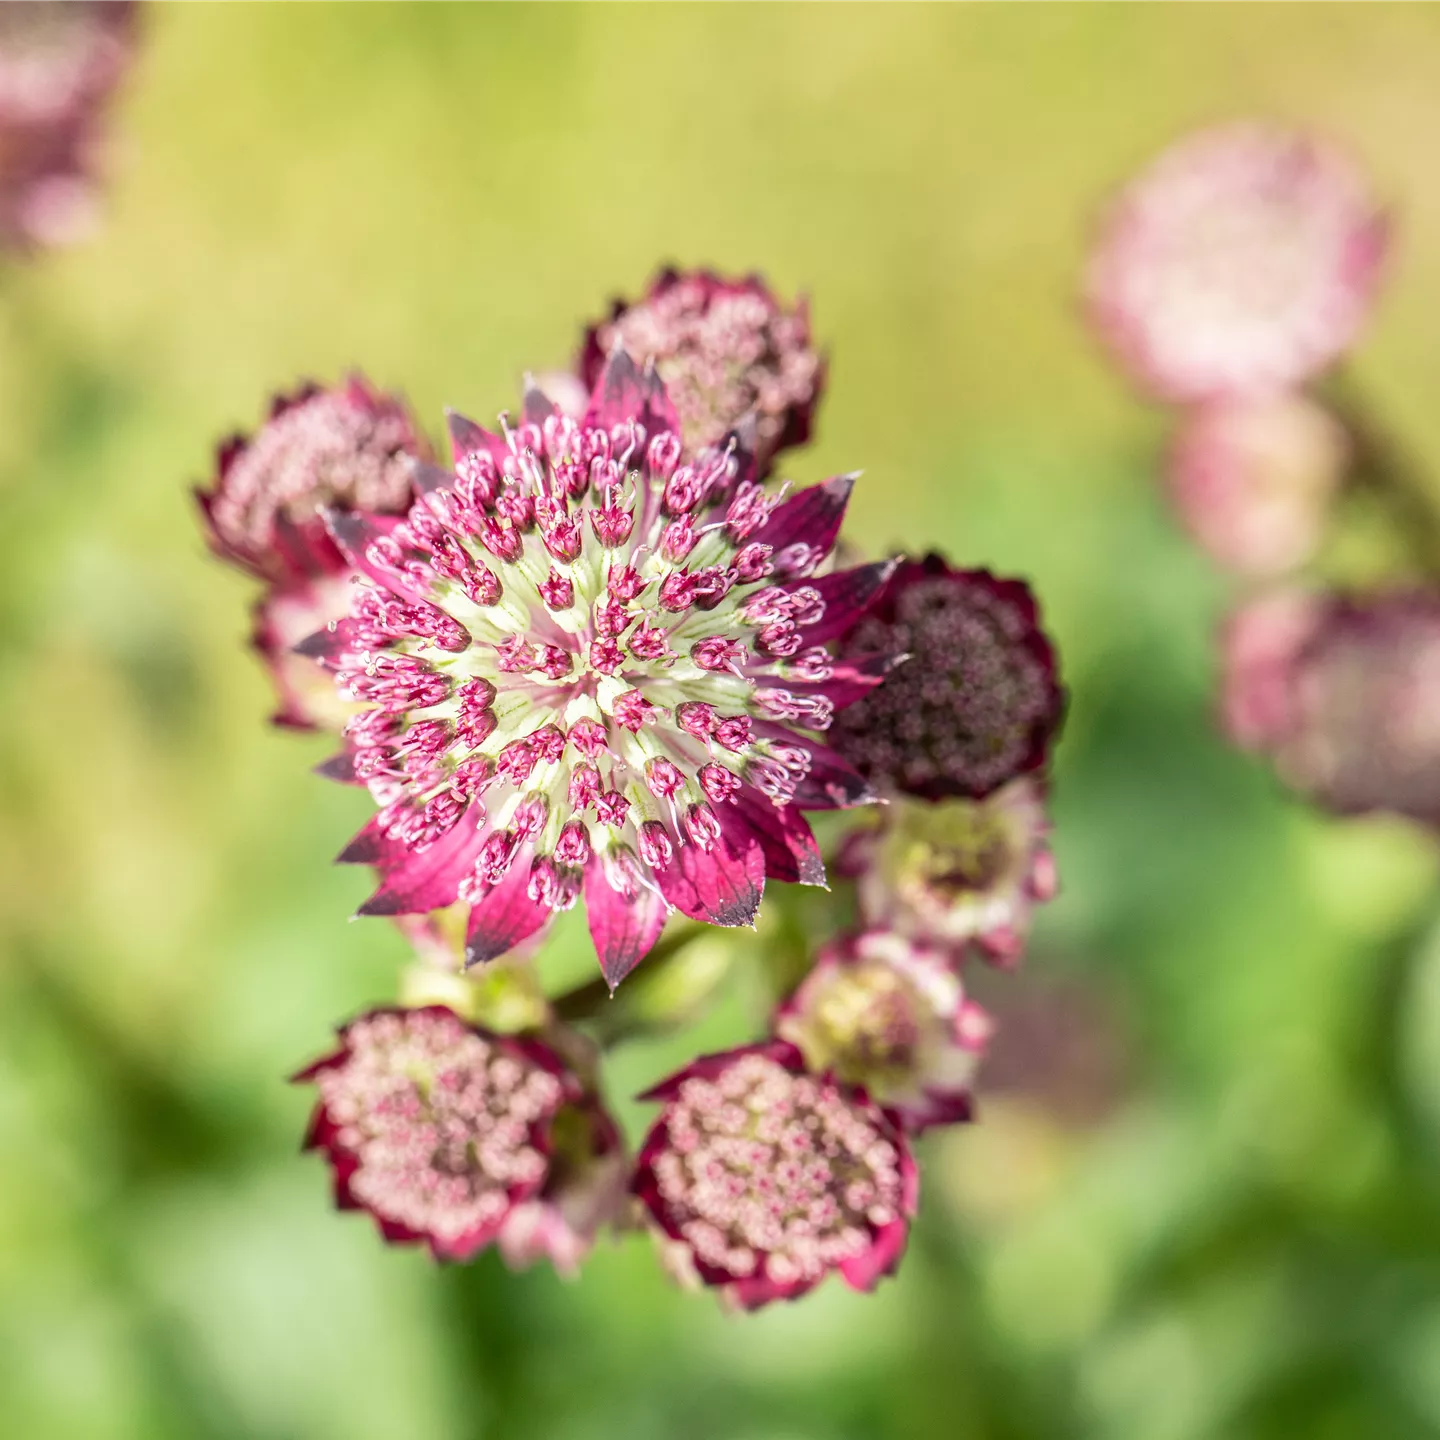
[(890, 1015), (727, 351), (974, 703), (1342, 695), (762, 1178), (341, 448), (438, 1129), (959, 877), (1243, 263)]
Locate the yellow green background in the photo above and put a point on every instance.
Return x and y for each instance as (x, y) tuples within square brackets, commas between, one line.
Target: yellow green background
[(1238, 1238)]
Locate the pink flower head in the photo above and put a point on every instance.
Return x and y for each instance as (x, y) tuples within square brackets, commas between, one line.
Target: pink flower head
[(1259, 651), (1243, 261), (59, 65), (960, 873), (762, 1178), (585, 1190), (725, 349), (976, 703), (568, 701), (1253, 480), (440, 1130), (346, 447), (879, 1012), (1343, 694)]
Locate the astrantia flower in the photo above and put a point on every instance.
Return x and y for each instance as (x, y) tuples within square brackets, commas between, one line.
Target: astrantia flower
[(976, 703), (959, 873), (725, 349), (438, 1129), (59, 64), (346, 447), (1343, 695), (349, 447), (1243, 261), (590, 665), (762, 1178), (883, 1013), (1253, 480)]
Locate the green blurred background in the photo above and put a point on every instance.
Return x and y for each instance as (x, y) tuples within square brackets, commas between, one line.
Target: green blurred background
[(1204, 1198)]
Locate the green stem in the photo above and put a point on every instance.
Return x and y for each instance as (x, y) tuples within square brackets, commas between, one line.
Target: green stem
[(591, 1000), (1383, 466)]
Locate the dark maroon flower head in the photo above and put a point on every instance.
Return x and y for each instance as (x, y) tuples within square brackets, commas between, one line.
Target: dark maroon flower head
[(1342, 693), (762, 1179), (346, 447), (594, 668), (977, 702), (439, 1129), (59, 65), (726, 349)]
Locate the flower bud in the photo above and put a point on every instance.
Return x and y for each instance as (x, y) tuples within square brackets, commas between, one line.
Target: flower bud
[(761, 1179), (882, 1013), (437, 1128), (961, 873)]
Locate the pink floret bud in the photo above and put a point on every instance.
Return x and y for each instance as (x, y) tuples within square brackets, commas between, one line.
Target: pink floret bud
[(761, 1179)]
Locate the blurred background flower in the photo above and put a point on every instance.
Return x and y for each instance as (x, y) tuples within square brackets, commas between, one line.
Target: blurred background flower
[(59, 64), (1236, 1238)]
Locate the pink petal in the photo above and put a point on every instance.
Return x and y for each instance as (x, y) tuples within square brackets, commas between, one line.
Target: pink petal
[(624, 930), (504, 915), (427, 478), (339, 767), (466, 437), (811, 518), (848, 680), (791, 853), (866, 1271), (427, 879), (371, 846), (756, 1291), (624, 392), (353, 532), (305, 548), (536, 407), (721, 886), (333, 646), (847, 594), (831, 783)]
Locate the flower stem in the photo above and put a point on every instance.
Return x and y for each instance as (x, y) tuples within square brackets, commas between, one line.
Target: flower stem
[(1383, 466), (623, 1012)]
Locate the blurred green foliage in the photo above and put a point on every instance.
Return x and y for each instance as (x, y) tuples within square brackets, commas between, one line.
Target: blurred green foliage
[(1239, 1238)]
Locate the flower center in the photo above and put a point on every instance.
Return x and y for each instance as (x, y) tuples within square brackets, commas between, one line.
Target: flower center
[(960, 716), (580, 662), (441, 1120), (771, 1171)]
